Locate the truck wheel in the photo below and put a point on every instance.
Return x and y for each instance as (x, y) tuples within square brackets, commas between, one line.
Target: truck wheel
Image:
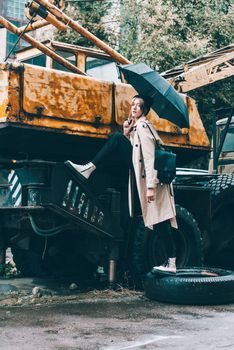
[(148, 247), (222, 233), (191, 286)]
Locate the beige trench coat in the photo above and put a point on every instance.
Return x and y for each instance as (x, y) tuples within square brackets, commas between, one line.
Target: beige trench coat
[(163, 207)]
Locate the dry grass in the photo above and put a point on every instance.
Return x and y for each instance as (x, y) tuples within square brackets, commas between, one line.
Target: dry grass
[(94, 296)]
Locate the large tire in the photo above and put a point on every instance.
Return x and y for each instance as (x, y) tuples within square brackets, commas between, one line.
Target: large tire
[(222, 232), (193, 286), (148, 247)]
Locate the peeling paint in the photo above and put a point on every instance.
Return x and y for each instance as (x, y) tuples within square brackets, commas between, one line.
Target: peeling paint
[(3, 93), (70, 104)]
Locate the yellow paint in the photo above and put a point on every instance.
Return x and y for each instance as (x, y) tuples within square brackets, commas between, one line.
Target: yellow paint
[(66, 96), (72, 104), (3, 93)]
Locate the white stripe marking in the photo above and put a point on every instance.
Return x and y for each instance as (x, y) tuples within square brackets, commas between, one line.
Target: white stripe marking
[(18, 202), (14, 181), (139, 344), (16, 192), (10, 176), (15, 188)]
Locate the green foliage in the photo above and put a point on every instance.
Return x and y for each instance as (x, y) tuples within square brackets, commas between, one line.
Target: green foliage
[(89, 14), (130, 29), (217, 96), (171, 32)]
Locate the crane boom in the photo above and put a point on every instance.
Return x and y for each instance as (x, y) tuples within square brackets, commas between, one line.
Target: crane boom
[(202, 71)]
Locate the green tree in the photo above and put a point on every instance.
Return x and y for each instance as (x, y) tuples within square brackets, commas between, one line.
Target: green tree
[(165, 33), (90, 15), (130, 29)]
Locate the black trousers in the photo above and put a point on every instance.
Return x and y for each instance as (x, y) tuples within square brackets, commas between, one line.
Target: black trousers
[(165, 231), (119, 145)]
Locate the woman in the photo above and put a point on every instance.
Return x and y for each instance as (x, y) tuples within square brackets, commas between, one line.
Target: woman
[(137, 147)]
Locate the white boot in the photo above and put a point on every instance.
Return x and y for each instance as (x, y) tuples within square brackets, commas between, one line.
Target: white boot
[(85, 170), (170, 266)]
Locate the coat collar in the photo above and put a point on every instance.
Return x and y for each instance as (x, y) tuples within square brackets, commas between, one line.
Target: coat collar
[(141, 119)]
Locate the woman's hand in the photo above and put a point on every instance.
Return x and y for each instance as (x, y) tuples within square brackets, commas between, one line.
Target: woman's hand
[(150, 194), (128, 126)]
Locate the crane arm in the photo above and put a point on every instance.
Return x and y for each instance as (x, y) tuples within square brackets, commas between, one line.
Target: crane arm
[(203, 71)]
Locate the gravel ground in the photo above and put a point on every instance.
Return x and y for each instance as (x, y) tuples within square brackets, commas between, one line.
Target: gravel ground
[(61, 314), (48, 315)]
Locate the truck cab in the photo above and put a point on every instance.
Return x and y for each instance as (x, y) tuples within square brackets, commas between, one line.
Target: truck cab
[(94, 62), (226, 157)]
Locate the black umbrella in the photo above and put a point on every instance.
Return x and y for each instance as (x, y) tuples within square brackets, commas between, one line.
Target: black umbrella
[(167, 102)]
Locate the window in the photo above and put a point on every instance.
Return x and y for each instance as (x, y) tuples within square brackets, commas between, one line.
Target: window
[(14, 8), (102, 69), (12, 39), (39, 60), (228, 145), (68, 56)]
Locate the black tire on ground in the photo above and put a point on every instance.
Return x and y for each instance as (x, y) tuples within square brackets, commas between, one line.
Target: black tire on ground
[(222, 232), (148, 247), (192, 286)]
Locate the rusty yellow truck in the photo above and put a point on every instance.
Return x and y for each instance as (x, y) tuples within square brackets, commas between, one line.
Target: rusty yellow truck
[(56, 223)]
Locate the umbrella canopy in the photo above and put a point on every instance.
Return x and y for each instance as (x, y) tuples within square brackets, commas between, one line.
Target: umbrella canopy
[(167, 102)]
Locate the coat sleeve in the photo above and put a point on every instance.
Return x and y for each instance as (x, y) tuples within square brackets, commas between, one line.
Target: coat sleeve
[(148, 151)]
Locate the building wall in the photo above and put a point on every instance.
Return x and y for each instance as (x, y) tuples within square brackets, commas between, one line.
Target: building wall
[(13, 10), (1, 7), (3, 41), (45, 33), (3, 35)]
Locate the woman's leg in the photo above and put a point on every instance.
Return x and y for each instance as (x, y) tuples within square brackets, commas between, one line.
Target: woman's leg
[(164, 229), (117, 144)]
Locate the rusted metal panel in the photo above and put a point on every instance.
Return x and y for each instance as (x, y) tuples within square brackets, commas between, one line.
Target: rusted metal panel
[(3, 93), (123, 96), (66, 96), (56, 125), (10, 92), (61, 102), (197, 133), (14, 96)]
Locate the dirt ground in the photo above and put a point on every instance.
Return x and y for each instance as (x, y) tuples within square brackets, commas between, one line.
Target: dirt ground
[(48, 315)]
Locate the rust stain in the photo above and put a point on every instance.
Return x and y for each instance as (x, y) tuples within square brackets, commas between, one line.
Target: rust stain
[(66, 96), (3, 93), (67, 103), (9, 94)]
